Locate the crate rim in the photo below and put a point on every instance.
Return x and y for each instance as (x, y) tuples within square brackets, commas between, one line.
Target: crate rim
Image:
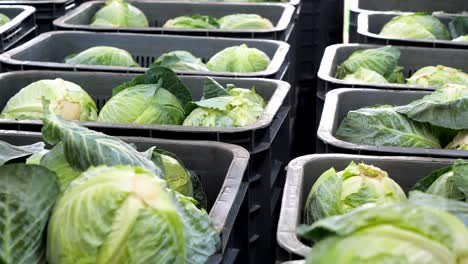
[(354, 7), (285, 19), (290, 216), (330, 52), (325, 128), (363, 29), (275, 65), (27, 11), (272, 108)]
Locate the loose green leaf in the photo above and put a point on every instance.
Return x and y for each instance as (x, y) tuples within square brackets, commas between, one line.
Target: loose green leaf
[(212, 89), (10, 152)]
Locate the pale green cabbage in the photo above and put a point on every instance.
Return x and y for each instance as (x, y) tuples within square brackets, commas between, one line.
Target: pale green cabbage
[(195, 21), (461, 39), (239, 59), (244, 22), (4, 19), (416, 26), (438, 76), (119, 13), (460, 141), (66, 99), (365, 75), (181, 60), (102, 55)]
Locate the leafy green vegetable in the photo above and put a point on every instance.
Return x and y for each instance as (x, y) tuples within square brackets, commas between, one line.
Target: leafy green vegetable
[(461, 39), (244, 22), (458, 28), (181, 60), (446, 107), (242, 107), (56, 161), (416, 26), (195, 21), (135, 219), (118, 13), (397, 233), (438, 76), (239, 59), (143, 104), (384, 126), (372, 65), (10, 152), (103, 55), (27, 195), (336, 193), (66, 99), (3, 19), (460, 141)]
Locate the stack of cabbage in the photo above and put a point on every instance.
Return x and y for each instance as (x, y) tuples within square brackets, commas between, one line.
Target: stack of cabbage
[(380, 65), (101, 201), (118, 13), (239, 59), (229, 22), (438, 120), (3, 19), (426, 26), (360, 215), (156, 97)]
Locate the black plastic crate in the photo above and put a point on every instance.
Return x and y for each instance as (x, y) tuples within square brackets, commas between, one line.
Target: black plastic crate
[(304, 171), (21, 26), (221, 168), (281, 15), (46, 10), (365, 6), (339, 102), (370, 25), (49, 50)]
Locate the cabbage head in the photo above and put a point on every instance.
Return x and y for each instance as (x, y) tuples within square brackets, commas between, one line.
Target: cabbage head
[(4, 19), (438, 76), (143, 104), (118, 13), (365, 75), (336, 193), (398, 233), (461, 39), (416, 26), (66, 99), (236, 107), (126, 214), (460, 141), (194, 22), (244, 22), (239, 59), (182, 61), (103, 55)]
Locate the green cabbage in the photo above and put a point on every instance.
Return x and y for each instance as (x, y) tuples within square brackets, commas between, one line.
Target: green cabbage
[(365, 75), (195, 21), (4, 19), (336, 193), (384, 126), (125, 214), (438, 76), (244, 22), (143, 104), (66, 99), (181, 60), (398, 233), (118, 13), (239, 59), (225, 109), (103, 55), (461, 39), (460, 141), (416, 26)]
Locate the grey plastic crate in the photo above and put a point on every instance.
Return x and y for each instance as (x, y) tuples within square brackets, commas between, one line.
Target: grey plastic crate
[(49, 50), (281, 15), (370, 25), (267, 139), (340, 101), (46, 10), (361, 6), (411, 59), (304, 171), (220, 166), (21, 26)]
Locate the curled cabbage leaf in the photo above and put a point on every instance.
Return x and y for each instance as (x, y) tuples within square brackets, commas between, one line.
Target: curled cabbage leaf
[(4, 19), (336, 193), (239, 59), (416, 26), (460, 141), (438, 76), (244, 22), (66, 99), (118, 13), (143, 104), (181, 60), (195, 21), (103, 55)]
